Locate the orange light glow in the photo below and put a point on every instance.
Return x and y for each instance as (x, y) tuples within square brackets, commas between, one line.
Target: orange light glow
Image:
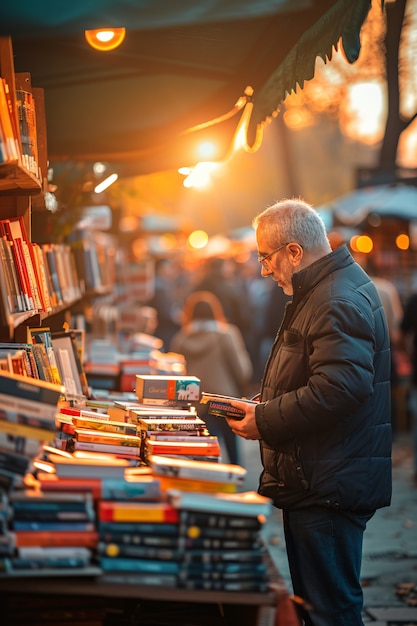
[(105, 39), (198, 239), (362, 243), (403, 241)]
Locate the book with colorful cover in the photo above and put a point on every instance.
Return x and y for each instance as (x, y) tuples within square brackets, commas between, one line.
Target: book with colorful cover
[(222, 405)]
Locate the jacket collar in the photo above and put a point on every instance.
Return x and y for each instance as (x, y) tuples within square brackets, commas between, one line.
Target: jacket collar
[(310, 276)]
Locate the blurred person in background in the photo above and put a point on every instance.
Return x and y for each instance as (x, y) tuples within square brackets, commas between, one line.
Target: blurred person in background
[(165, 301), (215, 352)]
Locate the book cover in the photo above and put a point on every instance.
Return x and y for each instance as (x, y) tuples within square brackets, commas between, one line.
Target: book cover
[(111, 511), (199, 470), (222, 406), (182, 388), (248, 503)]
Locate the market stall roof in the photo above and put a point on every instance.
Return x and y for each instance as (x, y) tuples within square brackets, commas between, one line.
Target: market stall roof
[(352, 209), (180, 75)]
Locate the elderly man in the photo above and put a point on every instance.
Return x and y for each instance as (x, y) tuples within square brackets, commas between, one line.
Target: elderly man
[(323, 417)]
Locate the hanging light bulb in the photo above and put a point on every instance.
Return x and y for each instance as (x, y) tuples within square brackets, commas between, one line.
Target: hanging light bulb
[(105, 39)]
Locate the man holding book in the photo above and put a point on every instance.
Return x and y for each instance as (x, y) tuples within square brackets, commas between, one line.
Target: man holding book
[(323, 419)]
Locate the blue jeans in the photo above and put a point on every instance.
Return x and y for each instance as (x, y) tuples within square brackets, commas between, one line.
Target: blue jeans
[(324, 549)]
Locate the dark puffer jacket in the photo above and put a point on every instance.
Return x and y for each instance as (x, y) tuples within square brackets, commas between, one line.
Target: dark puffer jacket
[(324, 415)]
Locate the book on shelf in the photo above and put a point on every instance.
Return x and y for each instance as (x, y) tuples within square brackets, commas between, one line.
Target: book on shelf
[(198, 470), (42, 338), (222, 406), (8, 230), (10, 147), (26, 110), (70, 368)]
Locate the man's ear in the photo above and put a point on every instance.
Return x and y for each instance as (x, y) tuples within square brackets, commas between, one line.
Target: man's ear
[(296, 253)]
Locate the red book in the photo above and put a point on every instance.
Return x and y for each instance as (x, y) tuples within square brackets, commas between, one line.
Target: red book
[(88, 539), (112, 511)]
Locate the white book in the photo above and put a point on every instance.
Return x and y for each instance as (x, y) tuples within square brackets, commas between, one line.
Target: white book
[(248, 503), (201, 470)]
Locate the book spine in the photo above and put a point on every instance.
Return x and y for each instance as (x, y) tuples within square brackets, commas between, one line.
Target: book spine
[(109, 511)]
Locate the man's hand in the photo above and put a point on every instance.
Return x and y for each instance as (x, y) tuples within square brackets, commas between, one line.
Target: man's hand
[(245, 427)]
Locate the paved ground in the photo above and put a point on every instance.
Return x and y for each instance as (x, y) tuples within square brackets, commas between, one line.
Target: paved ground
[(389, 569)]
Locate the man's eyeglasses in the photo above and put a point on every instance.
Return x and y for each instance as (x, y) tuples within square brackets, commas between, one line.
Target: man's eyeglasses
[(262, 259)]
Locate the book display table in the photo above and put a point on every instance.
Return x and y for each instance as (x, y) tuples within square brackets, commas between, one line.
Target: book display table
[(166, 606)]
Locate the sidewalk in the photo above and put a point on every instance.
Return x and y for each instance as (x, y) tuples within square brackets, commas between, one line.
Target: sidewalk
[(390, 543)]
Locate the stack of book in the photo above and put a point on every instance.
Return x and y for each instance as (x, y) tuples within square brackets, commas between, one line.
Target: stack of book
[(192, 541), (220, 540), (52, 533), (138, 542), (28, 406)]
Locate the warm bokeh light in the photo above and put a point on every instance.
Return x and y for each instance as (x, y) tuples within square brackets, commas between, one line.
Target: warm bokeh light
[(105, 39), (207, 150), (403, 241), (365, 112), (106, 183), (200, 175), (197, 240), (361, 243)]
